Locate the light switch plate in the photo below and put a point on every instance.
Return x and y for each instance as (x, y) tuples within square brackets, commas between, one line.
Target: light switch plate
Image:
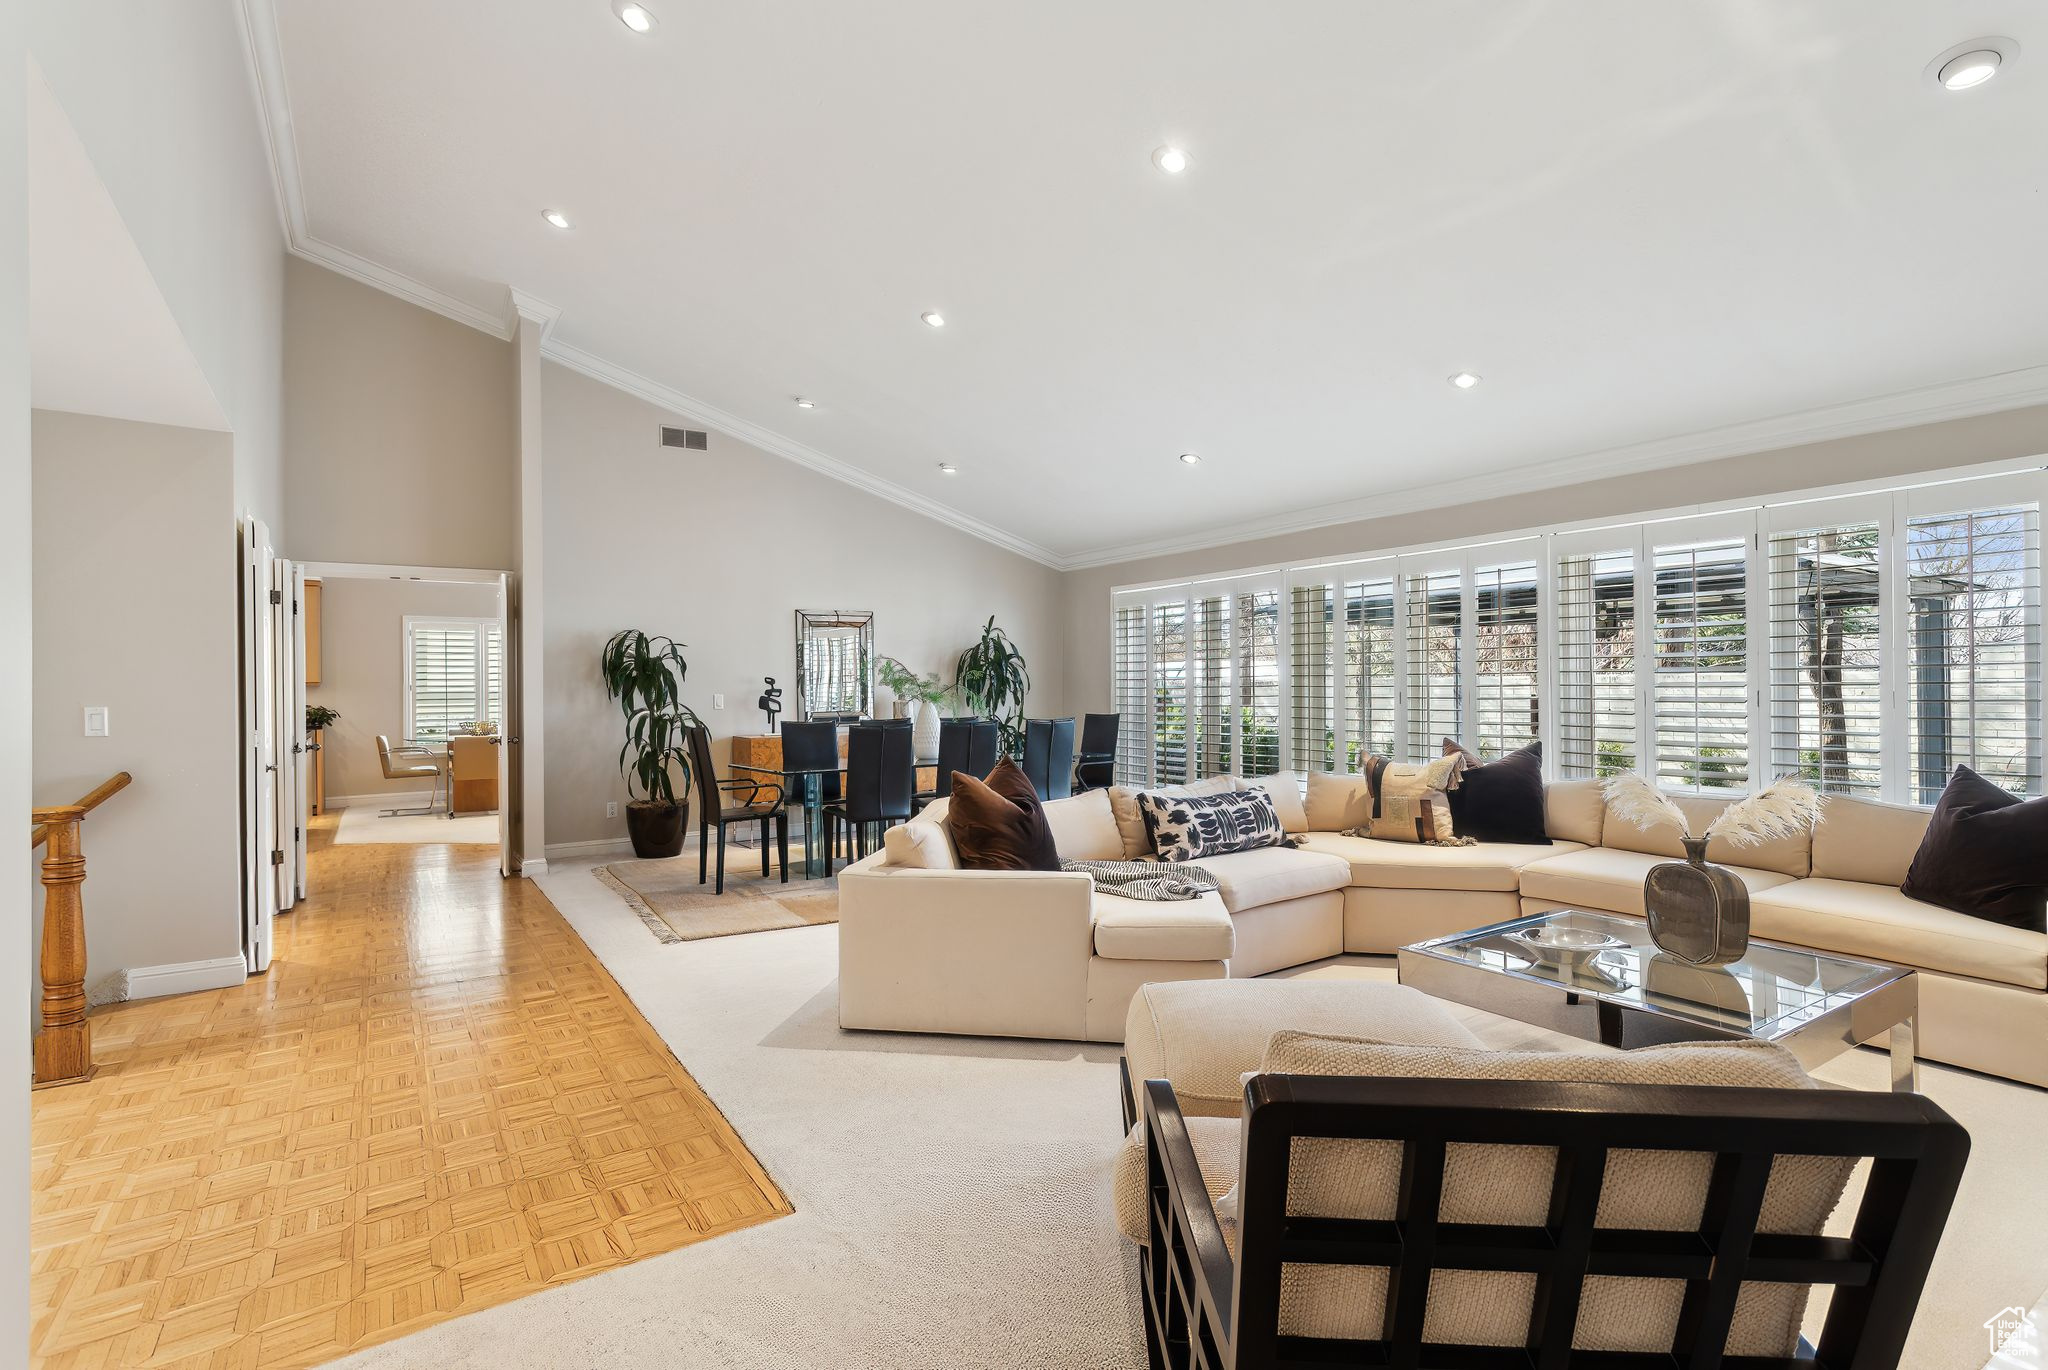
[(96, 720), (718, 701)]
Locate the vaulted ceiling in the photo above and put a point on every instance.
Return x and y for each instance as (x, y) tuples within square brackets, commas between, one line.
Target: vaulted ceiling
[(1639, 224)]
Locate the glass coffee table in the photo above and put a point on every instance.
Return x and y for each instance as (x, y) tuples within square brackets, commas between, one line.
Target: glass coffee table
[(1814, 1005)]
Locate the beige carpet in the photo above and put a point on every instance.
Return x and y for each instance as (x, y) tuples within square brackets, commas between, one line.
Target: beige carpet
[(676, 908), (953, 1198), (361, 823)]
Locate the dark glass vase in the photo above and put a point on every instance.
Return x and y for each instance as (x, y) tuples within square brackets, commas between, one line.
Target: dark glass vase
[(1697, 912)]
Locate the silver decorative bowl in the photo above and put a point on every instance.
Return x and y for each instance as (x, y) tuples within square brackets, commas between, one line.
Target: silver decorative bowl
[(1569, 948)]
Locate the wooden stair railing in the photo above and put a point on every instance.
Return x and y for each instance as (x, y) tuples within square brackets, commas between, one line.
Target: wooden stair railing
[(63, 1049)]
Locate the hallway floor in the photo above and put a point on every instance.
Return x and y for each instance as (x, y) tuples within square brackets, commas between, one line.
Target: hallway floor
[(435, 1100)]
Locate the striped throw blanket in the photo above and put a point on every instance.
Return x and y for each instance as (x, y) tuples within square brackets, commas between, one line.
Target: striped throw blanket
[(1157, 881)]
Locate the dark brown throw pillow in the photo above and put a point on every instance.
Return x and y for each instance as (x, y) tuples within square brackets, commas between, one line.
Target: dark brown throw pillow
[(1500, 801), (998, 824), (1985, 854)]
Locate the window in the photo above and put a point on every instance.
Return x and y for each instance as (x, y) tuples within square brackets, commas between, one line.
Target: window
[(1596, 664), (1973, 625), (454, 674), (1826, 622), (1867, 642)]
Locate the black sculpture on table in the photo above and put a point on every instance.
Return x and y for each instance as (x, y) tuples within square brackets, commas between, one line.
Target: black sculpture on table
[(770, 702)]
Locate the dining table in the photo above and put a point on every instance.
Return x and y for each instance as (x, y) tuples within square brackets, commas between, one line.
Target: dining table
[(809, 782)]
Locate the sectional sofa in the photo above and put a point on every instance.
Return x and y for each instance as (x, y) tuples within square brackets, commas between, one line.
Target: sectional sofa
[(926, 946)]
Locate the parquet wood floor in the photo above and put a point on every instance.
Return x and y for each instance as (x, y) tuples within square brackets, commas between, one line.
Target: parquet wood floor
[(435, 1100)]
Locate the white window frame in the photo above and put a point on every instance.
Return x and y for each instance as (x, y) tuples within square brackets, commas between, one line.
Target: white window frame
[(482, 627)]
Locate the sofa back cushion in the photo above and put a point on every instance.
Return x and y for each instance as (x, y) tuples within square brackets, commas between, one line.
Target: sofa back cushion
[(923, 843), (1130, 820), (1861, 839), (1791, 856), (1084, 828), (1337, 803), (1285, 789), (1574, 811), (1511, 1185)]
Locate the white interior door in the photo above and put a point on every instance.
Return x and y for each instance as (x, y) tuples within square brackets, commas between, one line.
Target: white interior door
[(508, 658), (295, 728), (259, 723), (285, 780)]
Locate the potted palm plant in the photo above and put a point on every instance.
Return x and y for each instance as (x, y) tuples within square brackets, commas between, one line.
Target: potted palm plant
[(645, 675), (993, 679)]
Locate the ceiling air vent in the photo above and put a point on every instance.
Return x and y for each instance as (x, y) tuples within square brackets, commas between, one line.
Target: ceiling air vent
[(694, 439)]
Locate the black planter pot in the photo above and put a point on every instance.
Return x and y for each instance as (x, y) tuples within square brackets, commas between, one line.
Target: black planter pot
[(656, 829)]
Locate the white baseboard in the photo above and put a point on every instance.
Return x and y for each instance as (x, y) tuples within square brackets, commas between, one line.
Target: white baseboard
[(603, 846), (537, 866), (183, 977), (391, 799)]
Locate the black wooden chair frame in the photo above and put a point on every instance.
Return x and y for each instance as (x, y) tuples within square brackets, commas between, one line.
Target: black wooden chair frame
[(1206, 1309)]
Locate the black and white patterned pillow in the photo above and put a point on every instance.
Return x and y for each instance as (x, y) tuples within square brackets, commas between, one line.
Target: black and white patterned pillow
[(1188, 827)]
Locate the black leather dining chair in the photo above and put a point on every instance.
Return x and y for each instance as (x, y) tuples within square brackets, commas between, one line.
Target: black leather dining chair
[(811, 746), (956, 740), (760, 801), (1095, 768), (881, 779), (1049, 756), (984, 747)]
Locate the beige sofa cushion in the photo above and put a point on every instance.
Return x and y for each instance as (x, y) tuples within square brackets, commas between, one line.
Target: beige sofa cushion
[(923, 843), (1084, 827), (1178, 930), (1877, 923), (1574, 811), (1791, 856), (1410, 866), (1204, 1034), (1130, 819), (1605, 878), (1336, 803), (1860, 839), (1285, 788), (1267, 875)]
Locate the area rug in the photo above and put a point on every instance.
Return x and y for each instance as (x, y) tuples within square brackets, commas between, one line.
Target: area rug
[(676, 908), (362, 824)]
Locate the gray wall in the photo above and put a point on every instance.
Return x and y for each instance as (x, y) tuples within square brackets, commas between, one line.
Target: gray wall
[(362, 667), (399, 425), (718, 549), (1902, 452), (135, 609)]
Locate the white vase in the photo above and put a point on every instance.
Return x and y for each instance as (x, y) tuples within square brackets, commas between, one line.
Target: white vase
[(924, 730)]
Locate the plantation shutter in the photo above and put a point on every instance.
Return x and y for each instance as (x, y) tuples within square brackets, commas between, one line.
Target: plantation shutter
[(1311, 643), (446, 664), (1170, 732), (1700, 689), (1436, 617), (1826, 629), (1506, 672), (1372, 692), (1130, 672), (1596, 664), (1973, 640), (1257, 665)]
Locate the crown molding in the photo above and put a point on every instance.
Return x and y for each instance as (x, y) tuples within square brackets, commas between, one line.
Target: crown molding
[(789, 449), (536, 310), (1930, 404)]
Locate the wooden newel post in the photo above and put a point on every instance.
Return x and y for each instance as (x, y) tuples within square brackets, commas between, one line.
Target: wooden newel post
[(63, 1052)]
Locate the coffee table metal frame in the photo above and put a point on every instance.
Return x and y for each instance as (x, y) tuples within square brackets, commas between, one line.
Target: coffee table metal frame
[(1611, 1001)]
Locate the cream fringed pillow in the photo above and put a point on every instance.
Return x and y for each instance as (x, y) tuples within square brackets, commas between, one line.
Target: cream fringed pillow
[(1412, 803)]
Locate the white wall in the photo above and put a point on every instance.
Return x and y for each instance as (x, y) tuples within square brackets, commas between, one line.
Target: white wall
[(162, 100), (362, 667), (135, 609), (16, 685), (718, 549), (399, 430), (1902, 452)]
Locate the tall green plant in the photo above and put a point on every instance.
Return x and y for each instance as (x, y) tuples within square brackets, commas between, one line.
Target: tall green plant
[(645, 675), (993, 679)]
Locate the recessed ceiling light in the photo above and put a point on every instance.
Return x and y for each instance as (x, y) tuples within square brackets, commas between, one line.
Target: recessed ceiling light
[(1464, 380), (1970, 69), (557, 218), (1191, 458), (1170, 160), (934, 318), (806, 404), (947, 468), (638, 18)]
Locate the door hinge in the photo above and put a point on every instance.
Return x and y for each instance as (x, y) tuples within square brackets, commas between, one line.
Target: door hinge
[(296, 834), (277, 596), (277, 858)]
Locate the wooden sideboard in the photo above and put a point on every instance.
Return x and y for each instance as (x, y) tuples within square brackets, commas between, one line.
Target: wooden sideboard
[(765, 749)]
